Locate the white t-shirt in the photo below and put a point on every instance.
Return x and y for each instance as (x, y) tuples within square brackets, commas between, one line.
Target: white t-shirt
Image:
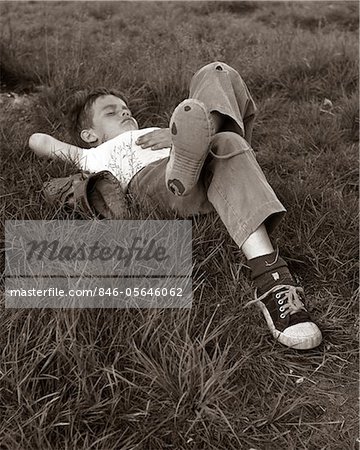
[(121, 156)]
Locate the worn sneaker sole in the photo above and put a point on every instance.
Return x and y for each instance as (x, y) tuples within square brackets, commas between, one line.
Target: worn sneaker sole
[(191, 130), (302, 336)]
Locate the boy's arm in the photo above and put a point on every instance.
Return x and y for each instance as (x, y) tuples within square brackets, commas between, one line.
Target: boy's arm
[(47, 146)]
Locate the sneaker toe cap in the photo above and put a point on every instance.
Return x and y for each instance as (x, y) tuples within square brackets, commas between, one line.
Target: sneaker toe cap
[(302, 336)]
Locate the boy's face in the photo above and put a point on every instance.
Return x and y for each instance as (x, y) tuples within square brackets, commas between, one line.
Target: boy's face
[(111, 117)]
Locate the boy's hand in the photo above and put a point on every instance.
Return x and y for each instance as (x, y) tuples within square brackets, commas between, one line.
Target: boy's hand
[(155, 139)]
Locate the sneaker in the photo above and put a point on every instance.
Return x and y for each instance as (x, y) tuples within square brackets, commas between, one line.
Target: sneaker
[(191, 130), (287, 317)]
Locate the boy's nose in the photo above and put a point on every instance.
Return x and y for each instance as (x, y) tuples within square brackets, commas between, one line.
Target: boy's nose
[(125, 113)]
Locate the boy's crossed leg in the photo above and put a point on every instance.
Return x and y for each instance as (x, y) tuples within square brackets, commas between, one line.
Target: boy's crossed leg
[(238, 190)]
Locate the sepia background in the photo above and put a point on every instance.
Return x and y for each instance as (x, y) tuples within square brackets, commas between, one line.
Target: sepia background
[(211, 377)]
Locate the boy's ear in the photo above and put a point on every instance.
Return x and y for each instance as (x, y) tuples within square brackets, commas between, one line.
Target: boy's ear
[(89, 136)]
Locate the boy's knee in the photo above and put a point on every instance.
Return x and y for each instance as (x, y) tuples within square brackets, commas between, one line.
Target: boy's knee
[(217, 66), (213, 69)]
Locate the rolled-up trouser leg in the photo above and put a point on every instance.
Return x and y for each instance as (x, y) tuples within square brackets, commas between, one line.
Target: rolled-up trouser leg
[(238, 190)]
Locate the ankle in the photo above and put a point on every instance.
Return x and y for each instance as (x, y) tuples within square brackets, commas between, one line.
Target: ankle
[(268, 271)]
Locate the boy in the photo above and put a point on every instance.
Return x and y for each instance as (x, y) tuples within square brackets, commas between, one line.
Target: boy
[(201, 163)]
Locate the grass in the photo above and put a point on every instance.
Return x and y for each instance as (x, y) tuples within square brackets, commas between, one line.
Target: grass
[(211, 377)]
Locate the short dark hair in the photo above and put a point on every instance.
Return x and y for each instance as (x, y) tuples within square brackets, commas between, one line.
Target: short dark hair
[(79, 112)]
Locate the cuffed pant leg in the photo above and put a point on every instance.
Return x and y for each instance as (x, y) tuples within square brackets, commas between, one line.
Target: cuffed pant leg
[(238, 189)]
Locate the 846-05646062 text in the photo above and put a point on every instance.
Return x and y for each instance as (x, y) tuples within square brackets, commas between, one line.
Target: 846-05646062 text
[(99, 291)]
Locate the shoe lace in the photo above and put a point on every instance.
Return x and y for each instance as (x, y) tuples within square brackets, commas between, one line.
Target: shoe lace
[(288, 297)]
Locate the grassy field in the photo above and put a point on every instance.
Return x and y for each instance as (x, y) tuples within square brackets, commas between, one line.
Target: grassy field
[(210, 378)]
